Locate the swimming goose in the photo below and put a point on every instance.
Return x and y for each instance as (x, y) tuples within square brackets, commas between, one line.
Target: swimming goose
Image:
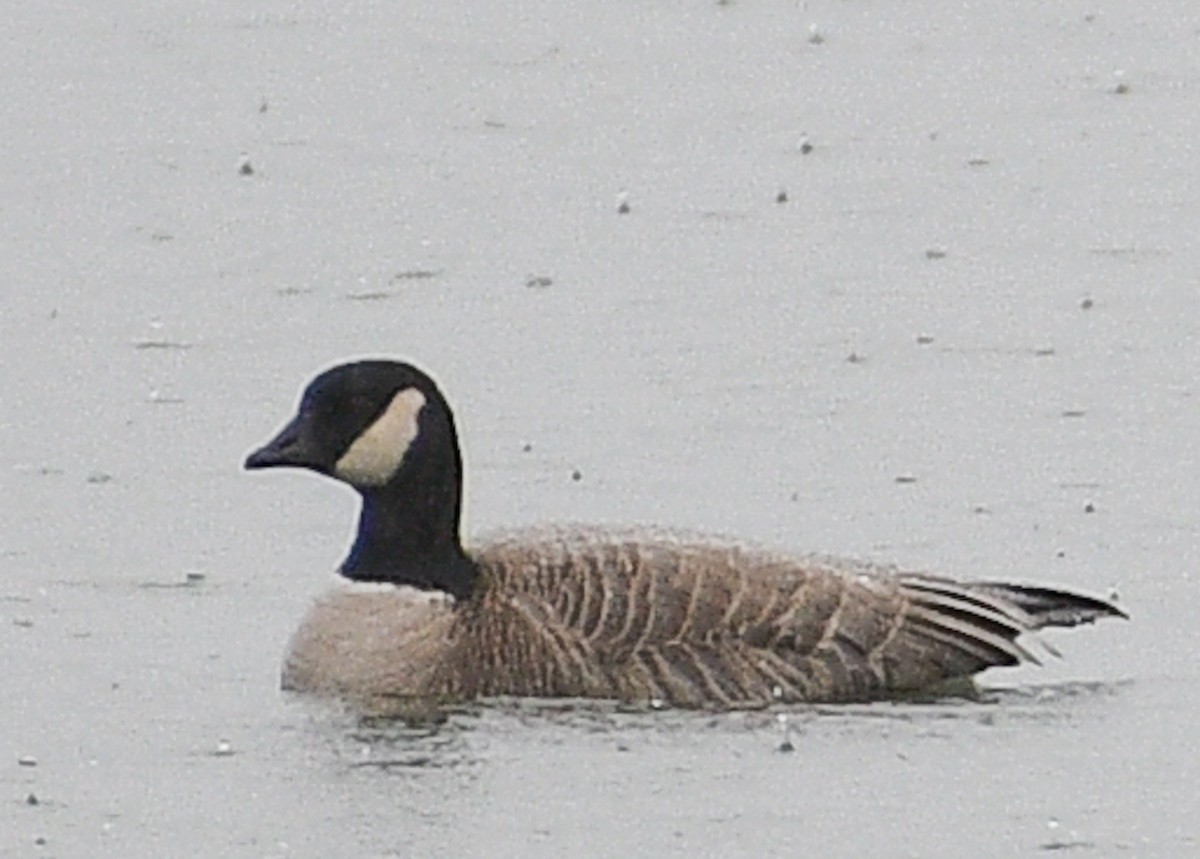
[(648, 617)]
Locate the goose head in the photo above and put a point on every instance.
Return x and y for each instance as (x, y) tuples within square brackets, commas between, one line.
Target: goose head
[(383, 428)]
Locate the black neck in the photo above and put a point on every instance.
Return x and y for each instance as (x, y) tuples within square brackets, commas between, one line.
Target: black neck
[(408, 535)]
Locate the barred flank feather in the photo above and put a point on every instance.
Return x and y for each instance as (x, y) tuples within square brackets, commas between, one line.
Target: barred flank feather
[(641, 617)]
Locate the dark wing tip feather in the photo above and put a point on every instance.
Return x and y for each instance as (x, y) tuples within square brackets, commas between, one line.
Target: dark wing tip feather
[(1051, 606)]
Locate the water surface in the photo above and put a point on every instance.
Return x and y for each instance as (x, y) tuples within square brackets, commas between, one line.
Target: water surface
[(966, 341)]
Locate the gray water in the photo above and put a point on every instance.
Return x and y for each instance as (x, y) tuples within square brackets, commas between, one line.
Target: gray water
[(965, 342)]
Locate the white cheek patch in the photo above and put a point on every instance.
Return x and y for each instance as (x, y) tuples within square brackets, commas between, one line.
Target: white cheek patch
[(375, 456)]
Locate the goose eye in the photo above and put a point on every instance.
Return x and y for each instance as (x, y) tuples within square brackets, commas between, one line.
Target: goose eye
[(323, 409), (330, 413)]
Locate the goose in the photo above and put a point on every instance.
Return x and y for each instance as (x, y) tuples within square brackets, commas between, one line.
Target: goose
[(637, 616)]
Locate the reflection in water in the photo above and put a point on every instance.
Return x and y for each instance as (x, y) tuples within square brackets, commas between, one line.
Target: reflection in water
[(468, 736)]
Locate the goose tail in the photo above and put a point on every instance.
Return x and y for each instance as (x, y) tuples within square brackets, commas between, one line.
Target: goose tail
[(981, 622)]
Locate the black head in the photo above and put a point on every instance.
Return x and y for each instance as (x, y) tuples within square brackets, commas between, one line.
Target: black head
[(364, 423), (384, 428)]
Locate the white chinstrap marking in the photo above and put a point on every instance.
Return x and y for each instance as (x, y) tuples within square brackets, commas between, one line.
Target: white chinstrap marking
[(339, 584), (376, 455)]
